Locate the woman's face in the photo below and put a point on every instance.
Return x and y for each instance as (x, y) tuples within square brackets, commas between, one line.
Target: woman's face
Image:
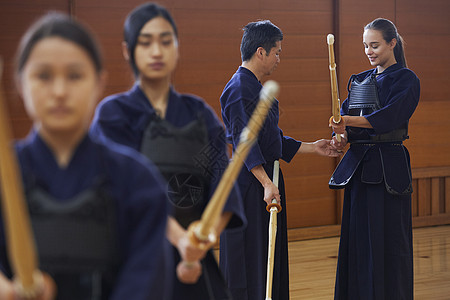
[(379, 52), (156, 52), (60, 86)]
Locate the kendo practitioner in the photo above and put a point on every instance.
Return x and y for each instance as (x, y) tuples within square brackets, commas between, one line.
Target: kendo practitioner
[(243, 254), (98, 211), (375, 252), (181, 134)]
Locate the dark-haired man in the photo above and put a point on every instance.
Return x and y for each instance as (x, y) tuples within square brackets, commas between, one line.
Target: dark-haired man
[(243, 254)]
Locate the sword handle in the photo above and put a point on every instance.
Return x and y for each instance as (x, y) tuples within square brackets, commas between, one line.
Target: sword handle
[(274, 208), (276, 174), (335, 102)]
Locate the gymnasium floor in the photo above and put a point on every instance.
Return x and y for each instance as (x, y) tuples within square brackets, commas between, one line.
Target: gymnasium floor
[(313, 266)]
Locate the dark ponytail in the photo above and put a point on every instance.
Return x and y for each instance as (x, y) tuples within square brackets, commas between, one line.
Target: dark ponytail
[(389, 32)]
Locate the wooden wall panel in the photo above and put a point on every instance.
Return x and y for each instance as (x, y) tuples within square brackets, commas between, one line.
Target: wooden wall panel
[(447, 195), (429, 143), (353, 15), (311, 212), (442, 195), (425, 27), (106, 19), (210, 34), (435, 195), (299, 167), (308, 94), (231, 5), (15, 18), (424, 191), (430, 196), (414, 199)]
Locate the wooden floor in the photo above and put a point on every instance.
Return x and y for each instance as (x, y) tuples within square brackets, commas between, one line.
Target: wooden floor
[(313, 266)]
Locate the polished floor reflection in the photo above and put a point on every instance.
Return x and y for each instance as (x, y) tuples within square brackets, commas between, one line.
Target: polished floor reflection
[(313, 266)]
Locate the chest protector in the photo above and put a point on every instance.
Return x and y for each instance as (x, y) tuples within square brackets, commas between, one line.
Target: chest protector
[(181, 155), (76, 241), (363, 100)]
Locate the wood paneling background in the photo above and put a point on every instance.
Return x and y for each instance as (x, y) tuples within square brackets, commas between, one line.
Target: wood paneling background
[(210, 34)]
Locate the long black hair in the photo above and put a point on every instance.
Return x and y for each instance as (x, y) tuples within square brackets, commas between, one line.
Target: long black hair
[(389, 32), (137, 18)]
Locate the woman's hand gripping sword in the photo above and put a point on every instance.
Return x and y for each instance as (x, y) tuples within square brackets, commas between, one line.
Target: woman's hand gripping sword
[(28, 281), (335, 102)]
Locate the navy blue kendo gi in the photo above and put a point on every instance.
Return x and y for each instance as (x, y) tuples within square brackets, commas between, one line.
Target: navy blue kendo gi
[(192, 137), (243, 254), (99, 223), (375, 253)]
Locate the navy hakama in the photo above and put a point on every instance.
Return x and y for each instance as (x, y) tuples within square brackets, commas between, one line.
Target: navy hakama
[(375, 252), (243, 253)]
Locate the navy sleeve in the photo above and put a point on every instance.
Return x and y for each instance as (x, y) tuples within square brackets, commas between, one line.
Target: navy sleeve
[(289, 148), (400, 96), (109, 124)]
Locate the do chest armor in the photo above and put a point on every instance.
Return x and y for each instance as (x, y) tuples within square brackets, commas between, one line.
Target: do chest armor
[(178, 154), (76, 241), (363, 100)]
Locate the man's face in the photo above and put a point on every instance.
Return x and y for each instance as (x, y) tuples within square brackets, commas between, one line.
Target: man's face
[(272, 60)]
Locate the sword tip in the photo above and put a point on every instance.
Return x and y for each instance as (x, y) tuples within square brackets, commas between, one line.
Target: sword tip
[(330, 39), (270, 89)]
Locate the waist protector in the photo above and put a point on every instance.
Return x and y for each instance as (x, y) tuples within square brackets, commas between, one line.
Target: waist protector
[(75, 236), (363, 100), (182, 156)]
